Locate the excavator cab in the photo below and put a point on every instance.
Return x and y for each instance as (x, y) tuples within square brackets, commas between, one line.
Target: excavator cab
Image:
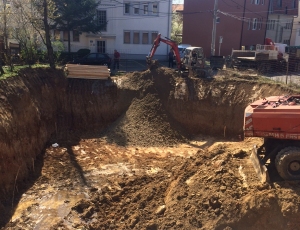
[(194, 61), (193, 56)]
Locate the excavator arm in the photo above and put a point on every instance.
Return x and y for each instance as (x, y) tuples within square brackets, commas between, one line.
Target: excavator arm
[(169, 42)]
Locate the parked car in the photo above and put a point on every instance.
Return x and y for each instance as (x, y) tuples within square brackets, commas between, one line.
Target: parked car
[(181, 49), (94, 59)]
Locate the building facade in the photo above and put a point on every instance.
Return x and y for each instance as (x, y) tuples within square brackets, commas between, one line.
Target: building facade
[(131, 28), (280, 20), (295, 37), (241, 23)]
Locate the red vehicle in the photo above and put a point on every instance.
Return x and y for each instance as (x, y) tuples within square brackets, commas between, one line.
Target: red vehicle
[(168, 41), (277, 120)]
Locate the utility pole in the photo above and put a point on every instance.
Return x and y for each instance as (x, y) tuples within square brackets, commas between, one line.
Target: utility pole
[(213, 42)]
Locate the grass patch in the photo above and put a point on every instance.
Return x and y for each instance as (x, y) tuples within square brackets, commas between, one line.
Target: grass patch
[(8, 73)]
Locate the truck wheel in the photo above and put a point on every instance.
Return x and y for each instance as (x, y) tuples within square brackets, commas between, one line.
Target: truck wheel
[(288, 163)]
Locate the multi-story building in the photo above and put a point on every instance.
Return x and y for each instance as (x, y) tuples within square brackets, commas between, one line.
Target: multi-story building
[(295, 37), (280, 20), (241, 23), (131, 28)]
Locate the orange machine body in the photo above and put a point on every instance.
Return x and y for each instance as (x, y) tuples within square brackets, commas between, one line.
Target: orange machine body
[(273, 117)]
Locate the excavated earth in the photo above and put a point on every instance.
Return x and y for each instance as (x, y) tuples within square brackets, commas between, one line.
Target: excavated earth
[(147, 150)]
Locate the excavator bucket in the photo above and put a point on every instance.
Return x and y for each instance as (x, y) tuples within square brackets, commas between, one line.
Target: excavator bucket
[(260, 169), (152, 64)]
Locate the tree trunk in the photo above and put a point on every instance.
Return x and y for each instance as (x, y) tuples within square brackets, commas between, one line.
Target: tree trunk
[(1, 69), (69, 41), (47, 34)]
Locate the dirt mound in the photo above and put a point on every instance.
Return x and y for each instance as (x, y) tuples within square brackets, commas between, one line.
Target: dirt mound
[(206, 191), (144, 124)]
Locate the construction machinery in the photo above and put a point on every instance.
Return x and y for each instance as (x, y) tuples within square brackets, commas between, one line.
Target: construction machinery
[(263, 58), (276, 119), (193, 58)]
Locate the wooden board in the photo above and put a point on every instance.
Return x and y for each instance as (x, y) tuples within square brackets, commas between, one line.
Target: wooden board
[(87, 71)]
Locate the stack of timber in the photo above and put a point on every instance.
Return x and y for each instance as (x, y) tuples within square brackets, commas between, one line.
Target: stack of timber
[(87, 71)]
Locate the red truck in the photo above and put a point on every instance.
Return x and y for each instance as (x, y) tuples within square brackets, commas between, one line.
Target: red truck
[(277, 120)]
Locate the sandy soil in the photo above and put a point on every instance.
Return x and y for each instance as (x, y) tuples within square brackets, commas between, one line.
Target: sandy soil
[(144, 171)]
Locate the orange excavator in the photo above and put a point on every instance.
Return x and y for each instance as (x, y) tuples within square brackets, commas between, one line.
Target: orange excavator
[(169, 42), (193, 58), (276, 119)]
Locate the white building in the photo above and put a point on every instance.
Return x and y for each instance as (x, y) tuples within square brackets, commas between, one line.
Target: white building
[(131, 28), (295, 37)]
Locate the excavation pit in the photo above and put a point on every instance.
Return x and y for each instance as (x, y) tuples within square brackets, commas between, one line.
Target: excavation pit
[(148, 150)]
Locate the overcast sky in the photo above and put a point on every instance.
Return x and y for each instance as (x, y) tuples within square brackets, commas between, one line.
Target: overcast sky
[(178, 1)]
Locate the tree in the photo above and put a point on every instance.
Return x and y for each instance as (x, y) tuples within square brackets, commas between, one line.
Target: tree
[(79, 15), (37, 13), (23, 31), (177, 23), (5, 8)]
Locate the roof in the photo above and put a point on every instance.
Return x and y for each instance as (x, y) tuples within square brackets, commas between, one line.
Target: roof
[(177, 7)]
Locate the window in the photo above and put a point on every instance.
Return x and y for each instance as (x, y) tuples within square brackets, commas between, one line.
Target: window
[(256, 2), (136, 9), (139, 37), (298, 32), (259, 23), (262, 2), (271, 24), (136, 38), (75, 36), (65, 36), (101, 19), (56, 35), (127, 8), (280, 34), (294, 4), (92, 56), (101, 47), (153, 36), (127, 37), (155, 8), (145, 9), (254, 24), (145, 38), (286, 42), (279, 3)]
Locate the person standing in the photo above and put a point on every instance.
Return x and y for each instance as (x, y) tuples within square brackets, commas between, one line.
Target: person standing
[(171, 58), (116, 59)]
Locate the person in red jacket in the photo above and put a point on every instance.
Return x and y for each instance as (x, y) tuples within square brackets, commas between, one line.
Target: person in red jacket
[(116, 59)]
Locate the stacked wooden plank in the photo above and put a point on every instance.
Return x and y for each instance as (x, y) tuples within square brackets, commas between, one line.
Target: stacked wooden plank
[(87, 71)]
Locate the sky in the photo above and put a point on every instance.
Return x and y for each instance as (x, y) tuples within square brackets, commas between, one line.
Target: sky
[(178, 1)]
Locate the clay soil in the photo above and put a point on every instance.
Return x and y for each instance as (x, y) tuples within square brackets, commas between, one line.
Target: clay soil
[(151, 168)]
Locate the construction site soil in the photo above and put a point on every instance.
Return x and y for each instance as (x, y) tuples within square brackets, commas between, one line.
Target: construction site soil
[(147, 150)]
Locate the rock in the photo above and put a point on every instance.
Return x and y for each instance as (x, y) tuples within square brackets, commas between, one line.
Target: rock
[(152, 226), (223, 188), (134, 220), (160, 210)]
